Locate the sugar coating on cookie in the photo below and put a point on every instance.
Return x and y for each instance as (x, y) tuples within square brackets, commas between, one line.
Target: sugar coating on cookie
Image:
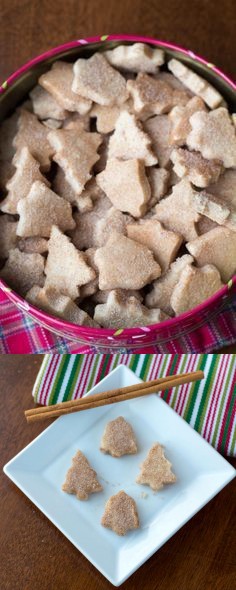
[(118, 438), (85, 233), (180, 116), (106, 116), (58, 82), (40, 210), (76, 153), (22, 271), (156, 469), (114, 221), (129, 141), (176, 211), (215, 208), (195, 168), (158, 129), (195, 83), (162, 242), (45, 106), (120, 514), (27, 171), (97, 80), (126, 177), (81, 480), (51, 300), (160, 294), (34, 135), (194, 286), (124, 309), (217, 247), (66, 267), (138, 57), (154, 96), (158, 179), (123, 263), (214, 135), (225, 188)]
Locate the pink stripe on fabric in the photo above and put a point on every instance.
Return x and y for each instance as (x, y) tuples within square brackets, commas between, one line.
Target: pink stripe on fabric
[(185, 389), (215, 397), (225, 413), (54, 364)]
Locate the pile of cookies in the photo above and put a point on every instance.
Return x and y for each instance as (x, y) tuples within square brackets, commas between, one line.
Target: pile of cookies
[(120, 513), (118, 184)]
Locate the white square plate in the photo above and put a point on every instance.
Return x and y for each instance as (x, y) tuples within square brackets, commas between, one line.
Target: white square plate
[(39, 471)]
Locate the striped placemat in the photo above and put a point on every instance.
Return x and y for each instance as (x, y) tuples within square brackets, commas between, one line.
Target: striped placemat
[(209, 405)]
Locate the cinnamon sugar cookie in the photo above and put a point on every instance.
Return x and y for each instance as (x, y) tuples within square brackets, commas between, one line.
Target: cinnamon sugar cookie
[(96, 80), (81, 479), (66, 267), (138, 57), (118, 438), (126, 177), (195, 168), (125, 264), (124, 309), (60, 305), (195, 83), (32, 134), (26, 173), (22, 271), (40, 210), (120, 514), (76, 153), (217, 247), (194, 286), (58, 82), (214, 135), (129, 141), (156, 469)]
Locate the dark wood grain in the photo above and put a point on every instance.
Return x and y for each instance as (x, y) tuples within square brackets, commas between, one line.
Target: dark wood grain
[(35, 555), (29, 27)]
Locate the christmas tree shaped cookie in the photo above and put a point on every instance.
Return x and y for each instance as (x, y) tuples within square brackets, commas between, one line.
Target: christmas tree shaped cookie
[(81, 479), (120, 514), (156, 469), (118, 438)]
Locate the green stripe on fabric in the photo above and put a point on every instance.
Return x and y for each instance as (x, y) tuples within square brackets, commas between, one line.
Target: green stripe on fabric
[(145, 366), (232, 449), (229, 414), (207, 392), (134, 362), (171, 372), (105, 363), (91, 381), (219, 413), (163, 368), (181, 370), (70, 387), (59, 378), (116, 358), (41, 375), (194, 389)]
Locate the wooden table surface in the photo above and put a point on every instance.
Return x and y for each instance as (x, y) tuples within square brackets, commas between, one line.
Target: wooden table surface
[(35, 555)]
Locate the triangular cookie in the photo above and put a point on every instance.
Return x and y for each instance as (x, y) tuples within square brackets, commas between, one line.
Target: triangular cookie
[(156, 469), (81, 479)]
